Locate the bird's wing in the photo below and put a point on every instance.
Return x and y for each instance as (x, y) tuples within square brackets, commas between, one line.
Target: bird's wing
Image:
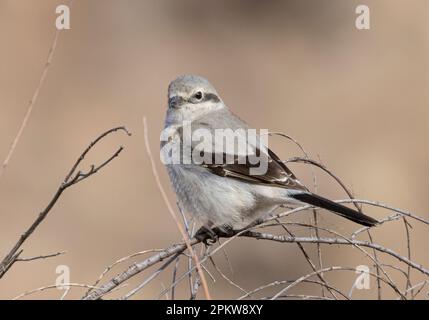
[(277, 173), (236, 165)]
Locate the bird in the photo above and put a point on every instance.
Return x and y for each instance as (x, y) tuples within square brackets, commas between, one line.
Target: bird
[(224, 196)]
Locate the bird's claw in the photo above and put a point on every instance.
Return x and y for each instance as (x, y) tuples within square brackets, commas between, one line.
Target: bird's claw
[(210, 236), (206, 235)]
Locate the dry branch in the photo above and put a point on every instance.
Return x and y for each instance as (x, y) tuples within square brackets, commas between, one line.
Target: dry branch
[(71, 179), (46, 256), (33, 100), (181, 247), (255, 231)]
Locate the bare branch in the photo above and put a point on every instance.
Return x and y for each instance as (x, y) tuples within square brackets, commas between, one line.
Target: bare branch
[(33, 100), (226, 277), (181, 247), (108, 268), (150, 278), (407, 233), (278, 238), (54, 286), (307, 257), (69, 181), (277, 283), (136, 268), (316, 222), (42, 257), (329, 269)]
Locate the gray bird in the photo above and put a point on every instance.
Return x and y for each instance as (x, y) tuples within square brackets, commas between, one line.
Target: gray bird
[(226, 196)]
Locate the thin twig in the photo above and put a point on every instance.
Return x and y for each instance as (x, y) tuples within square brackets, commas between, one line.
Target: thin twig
[(69, 181), (379, 267), (54, 286), (173, 215), (176, 266), (108, 268), (195, 288), (226, 277), (420, 284), (349, 193), (150, 278), (33, 100), (316, 222), (278, 238), (141, 266), (329, 269), (277, 283), (42, 256), (185, 222), (407, 233), (136, 268), (307, 257)]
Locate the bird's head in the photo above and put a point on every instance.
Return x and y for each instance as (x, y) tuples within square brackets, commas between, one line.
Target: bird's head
[(190, 96)]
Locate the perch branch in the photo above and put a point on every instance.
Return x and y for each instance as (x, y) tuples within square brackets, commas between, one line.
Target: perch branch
[(181, 247)]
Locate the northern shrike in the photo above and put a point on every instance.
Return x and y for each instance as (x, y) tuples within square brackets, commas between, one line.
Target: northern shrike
[(226, 196)]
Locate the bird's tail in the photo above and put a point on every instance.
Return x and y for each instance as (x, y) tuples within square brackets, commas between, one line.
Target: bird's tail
[(346, 212)]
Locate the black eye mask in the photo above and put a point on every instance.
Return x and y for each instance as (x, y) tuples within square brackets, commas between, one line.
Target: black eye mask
[(211, 97)]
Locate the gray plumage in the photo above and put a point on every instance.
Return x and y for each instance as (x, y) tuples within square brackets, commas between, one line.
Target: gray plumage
[(226, 194)]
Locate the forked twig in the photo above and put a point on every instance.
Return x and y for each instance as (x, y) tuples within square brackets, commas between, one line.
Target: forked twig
[(71, 179), (316, 222), (41, 257)]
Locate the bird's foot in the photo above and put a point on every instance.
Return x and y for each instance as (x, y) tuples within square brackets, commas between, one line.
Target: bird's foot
[(224, 231), (206, 235), (210, 236)]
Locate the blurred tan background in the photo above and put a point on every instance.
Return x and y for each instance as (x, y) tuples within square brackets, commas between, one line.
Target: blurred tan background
[(356, 99)]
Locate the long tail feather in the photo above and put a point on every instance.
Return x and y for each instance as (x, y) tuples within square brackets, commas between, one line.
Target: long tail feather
[(337, 208)]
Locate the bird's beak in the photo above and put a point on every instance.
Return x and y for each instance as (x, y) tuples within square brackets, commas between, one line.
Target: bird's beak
[(175, 102)]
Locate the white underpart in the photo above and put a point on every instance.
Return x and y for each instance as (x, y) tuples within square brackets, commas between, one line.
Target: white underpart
[(215, 202)]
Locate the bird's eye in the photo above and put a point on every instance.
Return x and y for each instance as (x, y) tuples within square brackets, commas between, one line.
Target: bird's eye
[(198, 95)]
